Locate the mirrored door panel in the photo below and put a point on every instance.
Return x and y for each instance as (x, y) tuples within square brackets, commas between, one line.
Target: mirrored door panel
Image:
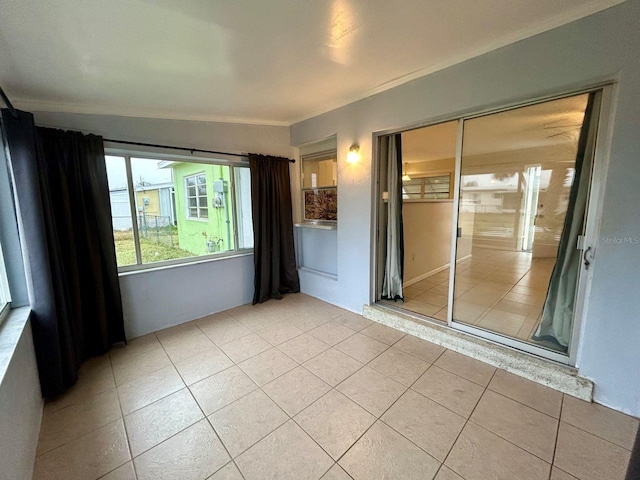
[(517, 182)]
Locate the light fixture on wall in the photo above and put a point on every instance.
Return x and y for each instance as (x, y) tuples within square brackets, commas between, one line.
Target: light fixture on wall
[(354, 154), (405, 175)]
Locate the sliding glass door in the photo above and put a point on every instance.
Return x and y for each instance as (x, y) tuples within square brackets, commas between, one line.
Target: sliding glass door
[(524, 177)]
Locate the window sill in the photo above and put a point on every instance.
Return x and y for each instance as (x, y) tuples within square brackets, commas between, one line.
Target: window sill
[(10, 333), (318, 226), (149, 268)]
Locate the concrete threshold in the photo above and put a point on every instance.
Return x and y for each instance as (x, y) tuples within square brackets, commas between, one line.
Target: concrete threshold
[(545, 372)]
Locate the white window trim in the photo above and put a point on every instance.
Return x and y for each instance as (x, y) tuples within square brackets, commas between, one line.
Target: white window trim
[(5, 294), (145, 267), (197, 197)]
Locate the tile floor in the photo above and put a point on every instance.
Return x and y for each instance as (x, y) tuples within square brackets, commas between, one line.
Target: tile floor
[(300, 389), (496, 290)]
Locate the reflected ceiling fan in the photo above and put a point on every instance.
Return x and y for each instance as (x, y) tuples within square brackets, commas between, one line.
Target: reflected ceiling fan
[(568, 129)]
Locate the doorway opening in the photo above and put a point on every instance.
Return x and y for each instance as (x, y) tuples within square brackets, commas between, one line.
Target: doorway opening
[(511, 188)]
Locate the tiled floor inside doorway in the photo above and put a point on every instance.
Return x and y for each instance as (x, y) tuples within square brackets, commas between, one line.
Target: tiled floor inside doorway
[(501, 291), (300, 389)]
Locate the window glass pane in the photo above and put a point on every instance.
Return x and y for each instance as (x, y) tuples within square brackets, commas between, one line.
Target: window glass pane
[(120, 210), (156, 213), (243, 207), (320, 171)]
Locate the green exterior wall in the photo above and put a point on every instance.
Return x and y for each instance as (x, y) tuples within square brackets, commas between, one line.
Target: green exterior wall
[(194, 233)]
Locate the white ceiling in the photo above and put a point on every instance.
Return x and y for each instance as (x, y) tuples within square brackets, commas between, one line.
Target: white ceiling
[(274, 62)]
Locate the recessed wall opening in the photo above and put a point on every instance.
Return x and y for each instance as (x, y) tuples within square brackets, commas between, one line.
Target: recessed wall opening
[(482, 221)]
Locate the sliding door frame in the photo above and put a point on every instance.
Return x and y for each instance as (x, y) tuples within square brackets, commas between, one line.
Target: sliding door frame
[(591, 230)]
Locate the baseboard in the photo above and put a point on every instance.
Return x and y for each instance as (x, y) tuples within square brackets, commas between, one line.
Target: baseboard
[(408, 283), (559, 377)]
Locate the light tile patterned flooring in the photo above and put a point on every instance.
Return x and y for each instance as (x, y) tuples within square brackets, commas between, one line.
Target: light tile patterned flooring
[(300, 389), (496, 290)]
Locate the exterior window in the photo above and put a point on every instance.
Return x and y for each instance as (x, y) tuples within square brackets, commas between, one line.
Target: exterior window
[(171, 211), (320, 187), (427, 188), (196, 191)]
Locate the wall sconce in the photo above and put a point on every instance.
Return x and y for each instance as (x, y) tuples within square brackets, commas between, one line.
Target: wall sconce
[(405, 175), (354, 154)]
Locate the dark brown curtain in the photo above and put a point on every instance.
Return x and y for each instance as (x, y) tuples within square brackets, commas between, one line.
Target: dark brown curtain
[(274, 251), (63, 197)]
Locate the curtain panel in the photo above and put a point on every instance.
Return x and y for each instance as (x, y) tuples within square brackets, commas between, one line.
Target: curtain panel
[(60, 183), (274, 250)]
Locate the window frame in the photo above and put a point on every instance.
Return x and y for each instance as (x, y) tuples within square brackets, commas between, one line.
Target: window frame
[(188, 216), (326, 154), (127, 155)]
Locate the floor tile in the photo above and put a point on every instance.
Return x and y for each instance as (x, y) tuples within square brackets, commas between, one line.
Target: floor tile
[(384, 453), (446, 473), (400, 366), (135, 346), (296, 390), (178, 332), (221, 331), (333, 366), (532, 394), (427, 351), (187, 347), (69, 423), (127, 368), (335, 422), (245, 347), (588, 457), (466, 367), (193, 454), (228, 472), (523, 426), (420, 307), (361, 347), (203, 365), (557, 474), (285, 454), (247, 420), (426, 423), (154, 423), (382, 333), (124, 472), (331, 333), (502, 322), (303, 348), (353, 321), (310, 320), (148, 389), (89, 456), (336, 473), (479, 454), (371, 390), (449, 390), (95, 376), (601, 421), (279, 333), (219, 390), (267, 366), (433, 298)]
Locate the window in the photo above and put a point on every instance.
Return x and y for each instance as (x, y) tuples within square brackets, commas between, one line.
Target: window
[(320, 186), (172, 211), (196, 190), (427, 188)]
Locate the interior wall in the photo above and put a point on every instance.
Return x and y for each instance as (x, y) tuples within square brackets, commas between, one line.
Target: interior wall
[(598, 48), (20, 407), (161, 298), (427, 238)]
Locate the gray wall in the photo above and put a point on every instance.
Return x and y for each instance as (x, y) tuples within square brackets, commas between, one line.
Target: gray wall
[(161, 298), (601, 47), (20, 407)]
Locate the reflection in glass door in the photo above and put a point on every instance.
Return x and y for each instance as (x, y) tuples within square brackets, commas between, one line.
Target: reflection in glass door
[(523, 188)]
